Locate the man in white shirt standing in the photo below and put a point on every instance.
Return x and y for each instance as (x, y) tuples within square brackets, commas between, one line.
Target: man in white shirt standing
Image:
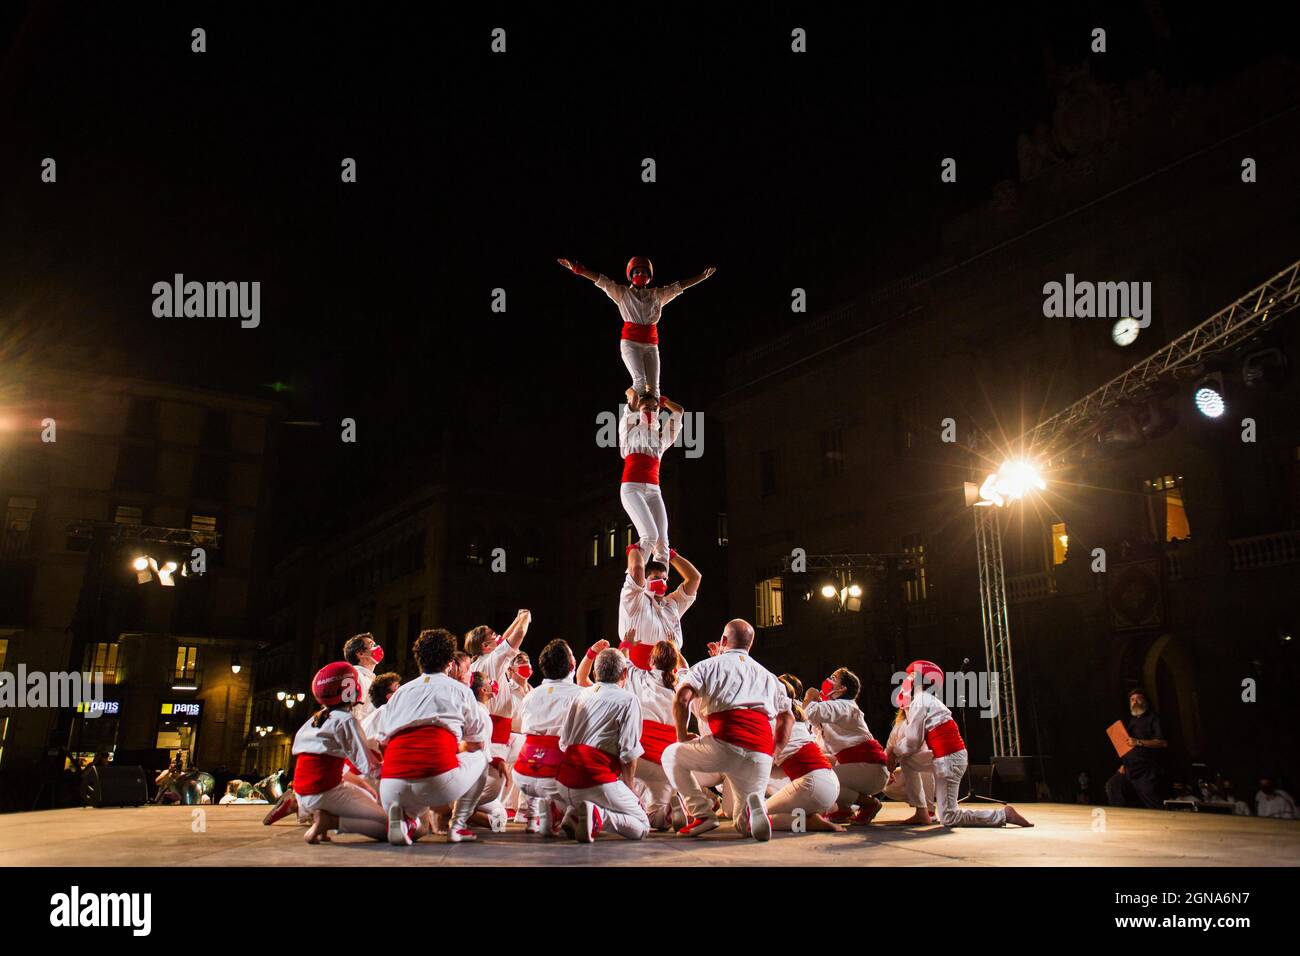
[(741, 700), (601, 740), (640, 306), (646, 607)]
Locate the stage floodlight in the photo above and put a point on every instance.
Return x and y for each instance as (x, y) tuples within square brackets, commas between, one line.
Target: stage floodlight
[(1208, 396), (855, 590), (1264, 369), (165, 575), (829, 591), (140, 563), (1015, 479), (1155, 419)]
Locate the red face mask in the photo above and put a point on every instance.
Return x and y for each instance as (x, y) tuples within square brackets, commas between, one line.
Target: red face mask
[(524, 671), (377, 653), (827, 688), (658, 586), (494, 688), (640, 280)]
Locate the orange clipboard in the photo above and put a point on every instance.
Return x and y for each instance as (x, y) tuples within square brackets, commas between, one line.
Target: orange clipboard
[(1118, 735)]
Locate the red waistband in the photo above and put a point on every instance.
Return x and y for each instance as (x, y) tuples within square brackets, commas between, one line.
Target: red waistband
[(540, 756), (639, 332), (640, 654), (869, 751), (654, 738), (585, 767), (750, 729), (641, 467), (501, 729), (805, 760), (945, 739), (420, 752), (316, 773)]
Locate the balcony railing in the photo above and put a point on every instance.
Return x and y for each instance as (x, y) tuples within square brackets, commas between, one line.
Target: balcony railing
[(1265, 550), (1023, 588)]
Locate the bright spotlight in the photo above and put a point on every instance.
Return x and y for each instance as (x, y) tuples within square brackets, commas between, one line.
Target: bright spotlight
[(855, 590), (1011, 482), (1209, 402), (141, 563), (165, 575), (828, 591)]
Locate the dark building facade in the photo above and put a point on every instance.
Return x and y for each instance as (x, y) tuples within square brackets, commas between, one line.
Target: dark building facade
[(835, 443)]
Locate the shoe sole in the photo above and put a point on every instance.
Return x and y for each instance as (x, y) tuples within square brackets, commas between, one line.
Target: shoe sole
[(708, 826), (760, 827), (585, 821), (396, 829)]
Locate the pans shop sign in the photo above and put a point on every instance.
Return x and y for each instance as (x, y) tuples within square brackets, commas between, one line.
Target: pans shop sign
[(181, 709)]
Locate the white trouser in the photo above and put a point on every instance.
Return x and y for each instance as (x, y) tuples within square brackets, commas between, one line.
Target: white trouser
[(913, 781), (494, 788), (814, 792), (858, 781), (642, 361), (513, 798), (655, 791), (537, 791), (357, 810), (460, 787), (644, 504), (621, 812), (746, 772), (948, 772)]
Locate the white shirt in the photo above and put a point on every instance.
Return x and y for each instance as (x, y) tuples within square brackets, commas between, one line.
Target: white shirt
[(639, 306), (517, 697), (841, 723), (365, 677), (1278, 805), (493, 665), (431, 700), (656, 700), (607, 717), (339, 735), (655, 619), (543, 711), (895, 733), (637, 436), (924, 713), (800, 736), (733, 680), (484, 737)]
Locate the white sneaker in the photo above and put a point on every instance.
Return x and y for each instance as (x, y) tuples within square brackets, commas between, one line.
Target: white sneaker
[(398, 832), (588, 822), (497, 820), (760, 825), (460, 834), (570, 824)]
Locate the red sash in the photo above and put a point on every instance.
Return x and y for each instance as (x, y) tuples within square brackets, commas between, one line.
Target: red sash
[(500, 729), (750, 729), (869, 751), (420, 752), (585, 767), (654, 738), (316, 773), (945, 739), (638, 332), (541, 756), (642, 468), (640, 655), (806, 759)]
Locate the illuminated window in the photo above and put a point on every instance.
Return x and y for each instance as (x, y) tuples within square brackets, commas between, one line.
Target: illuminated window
[(769, 605), (629, 535), (915, 589), (1166, 510), (1060, 543), (128, 515), (4, 651), (4, 735), (204, 528), (102, 659), (187, 663), (595, 549), (611, 539)]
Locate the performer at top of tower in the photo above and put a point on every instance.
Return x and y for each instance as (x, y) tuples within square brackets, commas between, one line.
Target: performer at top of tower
[(640, 305)]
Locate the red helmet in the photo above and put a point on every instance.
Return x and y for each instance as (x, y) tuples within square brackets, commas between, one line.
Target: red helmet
[(931, 677), (336, 683), (640, 262)]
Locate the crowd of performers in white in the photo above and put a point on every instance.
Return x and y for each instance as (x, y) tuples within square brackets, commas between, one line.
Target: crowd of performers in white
[(628, 739)]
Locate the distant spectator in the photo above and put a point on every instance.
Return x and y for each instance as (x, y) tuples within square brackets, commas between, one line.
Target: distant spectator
[(1272, 802)]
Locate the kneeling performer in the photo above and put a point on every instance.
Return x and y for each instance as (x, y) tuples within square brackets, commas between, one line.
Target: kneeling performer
[(541, 716)]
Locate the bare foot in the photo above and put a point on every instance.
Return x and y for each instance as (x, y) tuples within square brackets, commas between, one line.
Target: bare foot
[(318, 832), (1014, 816), (822, 825), (919, 818)]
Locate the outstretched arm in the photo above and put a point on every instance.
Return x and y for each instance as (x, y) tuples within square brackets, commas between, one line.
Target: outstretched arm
[(514, 635), (668, 403), (578, 269), (636, 565), (690, 576), (583, 677), (696, 280)]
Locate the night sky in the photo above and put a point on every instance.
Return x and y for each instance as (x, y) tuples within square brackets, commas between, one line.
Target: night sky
[(477, 170)]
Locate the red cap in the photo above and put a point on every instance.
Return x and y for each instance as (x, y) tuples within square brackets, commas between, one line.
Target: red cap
[(642, 262), (931, 676), (336, 683)]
